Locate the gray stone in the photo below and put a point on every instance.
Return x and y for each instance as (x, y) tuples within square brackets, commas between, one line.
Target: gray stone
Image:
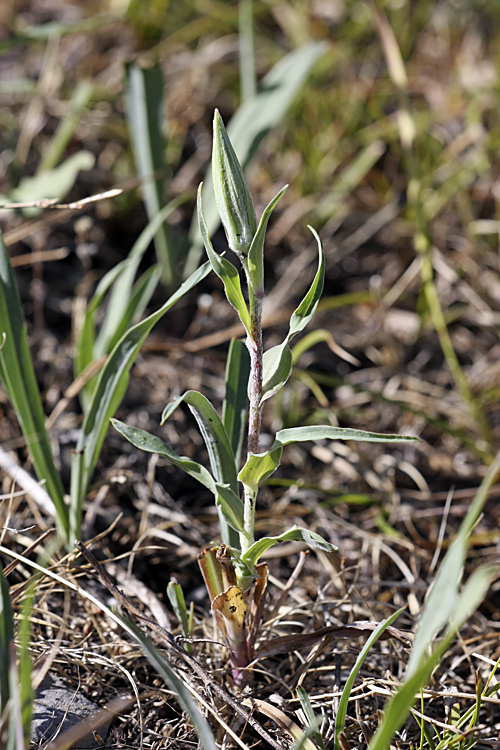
[(58, 708)]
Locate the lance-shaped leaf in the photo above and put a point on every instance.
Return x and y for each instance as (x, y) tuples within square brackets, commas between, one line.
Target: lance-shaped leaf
[(296, 533), (152, 444), (277, 362), (212, 430), (256, 252), (219, 450), (225, 270), (326, 432), (260, 466)]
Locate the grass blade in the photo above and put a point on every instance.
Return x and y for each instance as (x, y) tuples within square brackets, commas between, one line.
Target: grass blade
[(454, 609), (112, 328), (444, 592), (145, 114), (399, 706), (313, 721), (26, 692), (346, 692), (18, 377)]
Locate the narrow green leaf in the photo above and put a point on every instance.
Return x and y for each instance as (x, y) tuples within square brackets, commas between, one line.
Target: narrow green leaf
[(145, 115), (326, 432), (296, 533), (15, 736), (313, 722), (277, 362), (26, 692), (6, 639), (225, 270), (178, 603), (152, 444), (454, 609), (231, 506), (213, 433), (235, 406), (305, 311), (346, 692), (440, 603), (256, 252), (138, 299), (257, 117), (85, 337), (110, 389), (259, 467), (445, 588), (18, 377)]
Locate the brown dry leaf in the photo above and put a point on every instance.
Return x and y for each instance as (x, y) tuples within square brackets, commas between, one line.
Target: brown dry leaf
[(360, 629)]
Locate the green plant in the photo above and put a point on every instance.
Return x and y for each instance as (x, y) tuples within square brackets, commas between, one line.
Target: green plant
[(235, 579)]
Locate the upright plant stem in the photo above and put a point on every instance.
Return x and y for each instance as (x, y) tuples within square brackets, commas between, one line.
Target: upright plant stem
[(254, 345)]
